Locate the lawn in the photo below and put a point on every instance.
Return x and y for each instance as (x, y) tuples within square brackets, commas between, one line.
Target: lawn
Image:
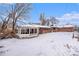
[(49, 44)]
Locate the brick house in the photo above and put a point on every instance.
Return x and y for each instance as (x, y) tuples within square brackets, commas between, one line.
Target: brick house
[(32, 30), (35, 30)]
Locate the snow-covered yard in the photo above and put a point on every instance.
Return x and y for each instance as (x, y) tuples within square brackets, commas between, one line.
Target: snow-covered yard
[(49, 44)]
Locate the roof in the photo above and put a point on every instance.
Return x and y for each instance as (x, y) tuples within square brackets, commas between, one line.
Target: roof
[(68, 26), (33, 25), (61, 26), (44, 26), (58, 26)]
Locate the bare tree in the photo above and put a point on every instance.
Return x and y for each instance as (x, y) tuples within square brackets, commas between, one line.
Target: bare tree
[(48, 22), (16, 12), (20, 11), (42, 19), (53, 21)]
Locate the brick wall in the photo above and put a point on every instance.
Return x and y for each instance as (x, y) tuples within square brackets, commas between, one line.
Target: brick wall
[(55, 29), (44, 30), (64, 29)]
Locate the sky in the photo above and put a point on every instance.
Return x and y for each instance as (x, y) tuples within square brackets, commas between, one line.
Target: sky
[(64, 12)]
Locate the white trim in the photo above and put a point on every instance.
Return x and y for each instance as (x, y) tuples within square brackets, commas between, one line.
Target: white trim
[(27, 35)]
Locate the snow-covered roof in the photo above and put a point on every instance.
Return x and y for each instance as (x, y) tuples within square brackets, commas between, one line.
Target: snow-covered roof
[(68, 26), (33, 25), (61, 26), (44, 26), (57, 26)]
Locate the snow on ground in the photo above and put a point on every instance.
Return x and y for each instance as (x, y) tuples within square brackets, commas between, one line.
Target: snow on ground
[(49, 44)]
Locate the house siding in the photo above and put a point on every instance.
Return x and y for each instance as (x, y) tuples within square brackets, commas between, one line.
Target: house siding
[(44, 30), (56, 29), (63, 29)]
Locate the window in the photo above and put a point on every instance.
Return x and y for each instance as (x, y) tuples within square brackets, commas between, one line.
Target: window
[(31, 31), (22, 31), (27, 31), (16, 30), (35, 30)]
